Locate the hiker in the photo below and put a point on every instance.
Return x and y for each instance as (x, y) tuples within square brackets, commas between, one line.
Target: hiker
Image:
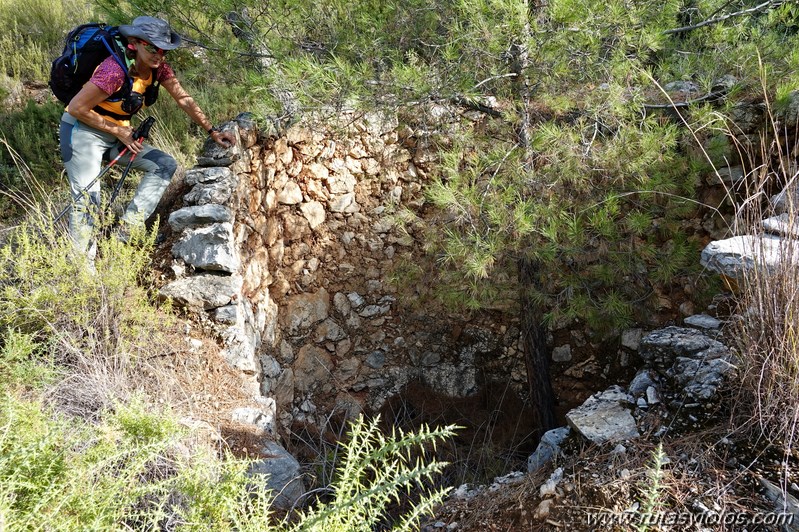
[(94, 126)]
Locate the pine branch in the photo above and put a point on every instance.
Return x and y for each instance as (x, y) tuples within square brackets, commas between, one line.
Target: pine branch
[(770, 4)]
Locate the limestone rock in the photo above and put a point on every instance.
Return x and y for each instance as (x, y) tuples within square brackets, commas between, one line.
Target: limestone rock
[(215, 155), (205, 291), (197, 215), (786, 200), (344, 203), (263, 419), (703, 322), (642, 380), (314, 212), (604, 417), (730, 175), (209, 248), (305, 310), (282, 474), (562, 353), (692, 360), (631, 338), (548, 488), (783, 502), (217, 191), (291, 194), (735, 256), (227, 314), (784, 224), (547, 448), (207, 175), (312, 367), (660, 348), (240, 347)]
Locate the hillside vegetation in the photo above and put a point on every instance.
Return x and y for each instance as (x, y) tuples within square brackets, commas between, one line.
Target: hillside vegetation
[(569, 191)]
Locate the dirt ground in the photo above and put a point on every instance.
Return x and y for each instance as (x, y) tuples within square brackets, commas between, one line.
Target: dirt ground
[(707, 480)]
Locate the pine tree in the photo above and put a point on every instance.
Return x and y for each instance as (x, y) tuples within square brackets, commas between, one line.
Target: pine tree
[(567, 189)]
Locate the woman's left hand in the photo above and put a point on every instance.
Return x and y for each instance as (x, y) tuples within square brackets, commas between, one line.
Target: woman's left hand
[(225, 139)]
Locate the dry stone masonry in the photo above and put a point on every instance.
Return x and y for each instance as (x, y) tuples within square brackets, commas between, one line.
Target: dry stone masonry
[(286, 244)]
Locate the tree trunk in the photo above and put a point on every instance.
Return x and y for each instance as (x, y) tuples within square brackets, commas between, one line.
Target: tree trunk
[(536, 351), (534, 344)]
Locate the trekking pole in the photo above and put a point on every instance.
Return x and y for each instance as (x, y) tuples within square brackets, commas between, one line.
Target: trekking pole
[(93, 181), (143, 132)]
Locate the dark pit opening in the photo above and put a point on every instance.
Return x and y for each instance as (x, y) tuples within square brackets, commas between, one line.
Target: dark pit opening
[(496, 435)]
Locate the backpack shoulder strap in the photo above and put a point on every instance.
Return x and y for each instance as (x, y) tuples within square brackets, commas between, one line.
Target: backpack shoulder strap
[(115, 50)]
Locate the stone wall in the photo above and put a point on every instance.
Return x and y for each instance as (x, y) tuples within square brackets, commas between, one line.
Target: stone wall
[(286, 244)]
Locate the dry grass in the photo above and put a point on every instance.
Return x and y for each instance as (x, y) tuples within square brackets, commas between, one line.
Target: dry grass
[(697, 477), (765, 327), (194, 382)]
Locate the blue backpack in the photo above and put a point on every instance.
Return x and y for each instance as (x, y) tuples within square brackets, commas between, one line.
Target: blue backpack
[(86, 47)]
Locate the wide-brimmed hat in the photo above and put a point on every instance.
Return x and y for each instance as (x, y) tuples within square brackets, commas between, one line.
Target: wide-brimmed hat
[(153, 30)]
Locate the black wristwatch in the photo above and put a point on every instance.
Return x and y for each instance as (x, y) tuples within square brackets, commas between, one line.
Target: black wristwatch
[(213, 128)]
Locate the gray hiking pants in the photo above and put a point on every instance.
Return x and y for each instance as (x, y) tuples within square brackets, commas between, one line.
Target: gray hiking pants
[(83, 149)]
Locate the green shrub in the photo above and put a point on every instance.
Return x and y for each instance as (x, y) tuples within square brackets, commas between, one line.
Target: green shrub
[(33, 34), (46, 291), (22, 362), (30, 149), (136, 469), (125, 472)]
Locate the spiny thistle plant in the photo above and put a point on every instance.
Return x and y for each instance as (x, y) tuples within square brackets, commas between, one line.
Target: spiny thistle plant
[(376, 471), (651, 503)]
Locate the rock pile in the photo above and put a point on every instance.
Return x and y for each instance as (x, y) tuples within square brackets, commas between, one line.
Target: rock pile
[(683, 366)]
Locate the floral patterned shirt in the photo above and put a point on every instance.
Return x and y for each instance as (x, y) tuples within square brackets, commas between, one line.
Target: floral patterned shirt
[(109, 76)]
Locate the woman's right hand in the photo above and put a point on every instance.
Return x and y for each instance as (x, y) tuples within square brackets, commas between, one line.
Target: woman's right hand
[(125, 136)]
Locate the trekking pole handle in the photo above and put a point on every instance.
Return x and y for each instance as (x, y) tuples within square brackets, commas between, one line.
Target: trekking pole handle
[(143, 131)]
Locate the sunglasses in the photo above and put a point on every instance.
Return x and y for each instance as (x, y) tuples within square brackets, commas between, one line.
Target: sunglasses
[(152, 49)]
